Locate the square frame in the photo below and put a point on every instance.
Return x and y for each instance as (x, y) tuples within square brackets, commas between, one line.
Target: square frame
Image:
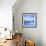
[(29, 20)]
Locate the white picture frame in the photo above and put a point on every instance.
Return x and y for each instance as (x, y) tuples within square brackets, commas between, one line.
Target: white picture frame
[(29, 20)]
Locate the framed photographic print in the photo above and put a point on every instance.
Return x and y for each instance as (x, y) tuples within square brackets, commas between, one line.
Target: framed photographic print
[(29, 20)]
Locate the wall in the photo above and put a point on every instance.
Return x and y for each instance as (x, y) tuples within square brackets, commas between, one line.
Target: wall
[(28, 6), (43, 22), (6, 13)]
